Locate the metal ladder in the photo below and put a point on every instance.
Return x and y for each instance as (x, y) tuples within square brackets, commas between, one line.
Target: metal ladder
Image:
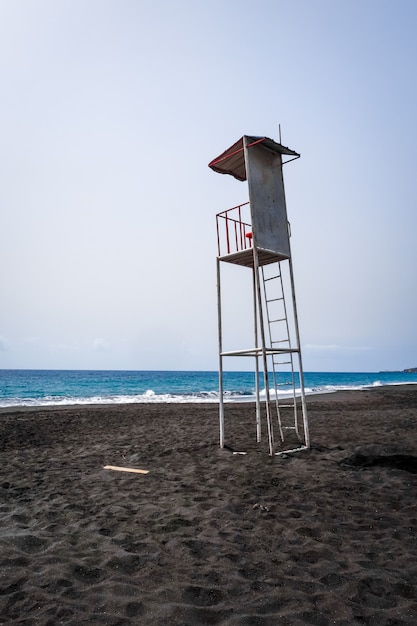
[(281, 349)]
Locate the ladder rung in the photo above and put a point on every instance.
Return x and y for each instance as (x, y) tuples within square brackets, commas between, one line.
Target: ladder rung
[(272, 278), (280, 319), (279, 341), (275, 299)]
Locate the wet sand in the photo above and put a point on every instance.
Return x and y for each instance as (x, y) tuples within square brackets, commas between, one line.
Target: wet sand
[(324, 536)]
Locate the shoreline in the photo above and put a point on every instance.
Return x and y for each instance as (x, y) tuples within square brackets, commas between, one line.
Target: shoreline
[(324, 536), (310, 397)]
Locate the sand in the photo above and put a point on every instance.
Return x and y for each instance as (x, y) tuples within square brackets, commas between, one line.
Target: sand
[(326, 536)]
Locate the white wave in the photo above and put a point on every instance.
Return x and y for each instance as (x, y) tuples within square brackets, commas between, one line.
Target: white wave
[(318, 390), (149, 397)]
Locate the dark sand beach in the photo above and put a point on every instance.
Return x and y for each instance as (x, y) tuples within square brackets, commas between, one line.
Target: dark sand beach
[(324, 536)]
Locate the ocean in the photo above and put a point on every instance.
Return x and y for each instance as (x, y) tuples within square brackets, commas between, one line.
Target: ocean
[(65, 387)]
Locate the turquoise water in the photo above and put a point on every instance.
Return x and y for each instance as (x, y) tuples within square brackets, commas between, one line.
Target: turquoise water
[(60, 387)]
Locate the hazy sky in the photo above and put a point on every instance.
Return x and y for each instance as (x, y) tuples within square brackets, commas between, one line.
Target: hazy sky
[(109, 114)]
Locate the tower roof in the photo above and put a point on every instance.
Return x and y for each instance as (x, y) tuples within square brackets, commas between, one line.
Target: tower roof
[(232, 160)]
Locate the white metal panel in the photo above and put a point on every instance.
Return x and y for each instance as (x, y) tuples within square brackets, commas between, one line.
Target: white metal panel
[(267, 199)]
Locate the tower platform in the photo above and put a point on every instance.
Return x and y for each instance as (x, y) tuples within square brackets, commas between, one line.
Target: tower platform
[(246, 258)]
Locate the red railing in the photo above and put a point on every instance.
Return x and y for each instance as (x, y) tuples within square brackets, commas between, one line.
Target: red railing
[(233, 234)]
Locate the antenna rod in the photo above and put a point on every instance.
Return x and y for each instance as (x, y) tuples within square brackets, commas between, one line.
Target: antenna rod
[(279, 126)]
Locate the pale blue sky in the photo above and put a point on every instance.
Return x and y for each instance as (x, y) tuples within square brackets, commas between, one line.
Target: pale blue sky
[(109, 115)]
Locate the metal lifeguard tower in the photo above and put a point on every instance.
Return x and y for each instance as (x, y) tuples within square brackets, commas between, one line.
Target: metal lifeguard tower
[(256, 235)]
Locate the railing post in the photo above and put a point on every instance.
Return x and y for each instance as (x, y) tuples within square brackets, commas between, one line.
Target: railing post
[(227, 235)]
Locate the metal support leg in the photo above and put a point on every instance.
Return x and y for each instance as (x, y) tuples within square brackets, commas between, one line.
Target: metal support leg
[(255, 329), (220, 341), (264, 357), (301, 372)]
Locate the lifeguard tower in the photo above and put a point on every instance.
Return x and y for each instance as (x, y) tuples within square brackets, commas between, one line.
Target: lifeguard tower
[(256, 236)]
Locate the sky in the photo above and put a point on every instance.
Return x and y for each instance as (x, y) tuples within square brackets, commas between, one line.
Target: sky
[(111, 111)]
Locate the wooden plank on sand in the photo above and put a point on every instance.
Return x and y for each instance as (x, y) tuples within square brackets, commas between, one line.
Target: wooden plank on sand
[(126, 469)]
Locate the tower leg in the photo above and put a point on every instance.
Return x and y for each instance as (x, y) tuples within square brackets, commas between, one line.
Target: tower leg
[(256, 343), (301, 372), (220, 342), (264, 357)]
